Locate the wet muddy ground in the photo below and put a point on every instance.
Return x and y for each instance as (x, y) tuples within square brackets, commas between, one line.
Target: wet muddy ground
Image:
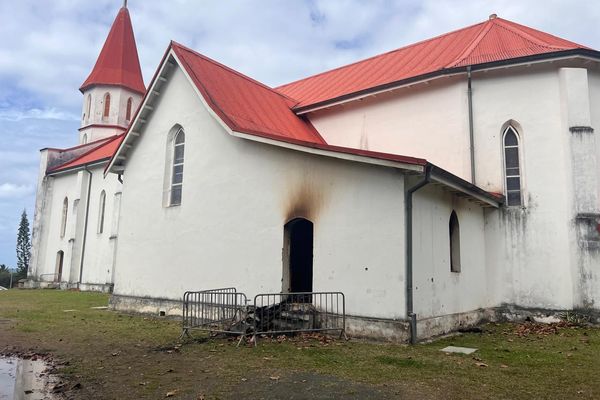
[(25, 379)]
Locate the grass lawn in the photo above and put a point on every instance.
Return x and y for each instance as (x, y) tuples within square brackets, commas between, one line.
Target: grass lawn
[(116, 356)]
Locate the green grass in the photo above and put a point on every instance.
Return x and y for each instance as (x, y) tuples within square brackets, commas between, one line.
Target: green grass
[(115, 353)]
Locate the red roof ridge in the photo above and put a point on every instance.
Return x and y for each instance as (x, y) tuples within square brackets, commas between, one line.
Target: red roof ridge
[(82, 155), (381, 54), (229, 69), (487, 26), (521, 30)]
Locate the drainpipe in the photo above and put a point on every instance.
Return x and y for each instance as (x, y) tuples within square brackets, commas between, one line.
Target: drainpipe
[(471, 130), (409, 252), (85, 224)]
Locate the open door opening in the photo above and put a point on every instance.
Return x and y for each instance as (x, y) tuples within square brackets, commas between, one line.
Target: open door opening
[(59, 265), (298, 256)]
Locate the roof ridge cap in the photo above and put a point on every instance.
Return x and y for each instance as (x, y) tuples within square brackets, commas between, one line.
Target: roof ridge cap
[(277, 88), (487, 27), (241, 75)]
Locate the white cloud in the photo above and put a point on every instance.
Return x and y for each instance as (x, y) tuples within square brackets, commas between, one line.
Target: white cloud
[(15, 191), (36, 113)]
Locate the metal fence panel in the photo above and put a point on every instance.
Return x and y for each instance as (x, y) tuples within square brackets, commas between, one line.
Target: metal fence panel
[(276, 313), (215, 310)]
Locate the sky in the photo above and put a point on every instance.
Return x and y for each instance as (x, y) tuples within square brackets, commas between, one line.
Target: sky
[(48, 47)]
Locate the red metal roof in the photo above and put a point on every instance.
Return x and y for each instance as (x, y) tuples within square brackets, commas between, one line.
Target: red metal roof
[(103, 152), (494, 40), (118, 63), (244, 104)]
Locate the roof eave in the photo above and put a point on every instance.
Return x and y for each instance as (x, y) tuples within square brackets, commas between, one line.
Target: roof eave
[(588, 53), (451, 181), (92, 164)]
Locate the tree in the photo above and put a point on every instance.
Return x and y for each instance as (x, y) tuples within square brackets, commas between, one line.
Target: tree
[(23, 246)]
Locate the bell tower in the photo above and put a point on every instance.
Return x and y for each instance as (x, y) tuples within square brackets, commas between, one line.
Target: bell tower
[(115, 87)]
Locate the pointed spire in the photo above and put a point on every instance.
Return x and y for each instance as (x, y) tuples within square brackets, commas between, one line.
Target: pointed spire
[(118, 63)]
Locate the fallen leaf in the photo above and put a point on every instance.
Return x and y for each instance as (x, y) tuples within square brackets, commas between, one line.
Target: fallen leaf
[(171, 393), (274, 378), (481, 364), (503, 366)]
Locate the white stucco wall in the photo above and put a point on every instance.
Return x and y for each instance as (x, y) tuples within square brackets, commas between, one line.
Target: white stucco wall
[(237, 196), (50, 222), (426, 120), (99, 249), (439, 291)]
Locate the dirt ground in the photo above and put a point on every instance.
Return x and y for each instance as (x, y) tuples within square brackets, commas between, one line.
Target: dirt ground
[(100, 354)]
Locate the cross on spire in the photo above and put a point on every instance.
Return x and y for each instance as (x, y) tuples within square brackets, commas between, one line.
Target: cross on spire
[(124, 3)]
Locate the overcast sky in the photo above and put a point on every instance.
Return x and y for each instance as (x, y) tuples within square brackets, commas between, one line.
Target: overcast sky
[(48, 47)]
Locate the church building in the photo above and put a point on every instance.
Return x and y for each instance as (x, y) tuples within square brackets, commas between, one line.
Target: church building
[(437, 185)]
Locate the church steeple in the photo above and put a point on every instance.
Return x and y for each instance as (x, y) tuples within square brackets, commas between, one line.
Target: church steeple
[(114, 88), (118, 63)]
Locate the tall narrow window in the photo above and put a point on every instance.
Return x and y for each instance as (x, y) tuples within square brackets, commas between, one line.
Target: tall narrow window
[(88, 106), (84, 139), (63, 221), (128, 112), (177, 175), (101, 207), (512, 168), (106, 105), (454, 243)]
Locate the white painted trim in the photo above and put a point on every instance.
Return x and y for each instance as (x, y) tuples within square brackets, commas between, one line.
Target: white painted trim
[(332, 154)]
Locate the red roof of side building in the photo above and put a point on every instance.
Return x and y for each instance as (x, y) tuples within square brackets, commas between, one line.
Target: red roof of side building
[(244, 104), (491, 41), (97, 154), (118, 63)]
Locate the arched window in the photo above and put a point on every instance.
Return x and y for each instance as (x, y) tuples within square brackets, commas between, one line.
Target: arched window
[(106, 105), (88, 106), (84, 138), (512, 167), (63, 223), (177, 174), (101, 207), (454, 228), (128, 111)]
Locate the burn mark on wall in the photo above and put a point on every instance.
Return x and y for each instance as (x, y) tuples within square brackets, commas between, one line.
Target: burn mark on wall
[(304, 200)]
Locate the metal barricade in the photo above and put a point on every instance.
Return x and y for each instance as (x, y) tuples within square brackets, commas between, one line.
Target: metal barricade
[(277, 313), (216, 310)]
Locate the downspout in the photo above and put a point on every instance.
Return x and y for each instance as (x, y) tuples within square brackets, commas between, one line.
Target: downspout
[(409, 252), (85, 224), (471, 129)]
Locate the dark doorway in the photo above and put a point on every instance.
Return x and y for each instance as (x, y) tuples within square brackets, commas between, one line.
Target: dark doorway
[(299, 246), (59, 265)]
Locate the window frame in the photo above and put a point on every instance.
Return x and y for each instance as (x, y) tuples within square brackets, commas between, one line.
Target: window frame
[(64, 217), (505, 172), (454, 241), (128, 109), (101, 212), (106, 111), (174, 165)]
